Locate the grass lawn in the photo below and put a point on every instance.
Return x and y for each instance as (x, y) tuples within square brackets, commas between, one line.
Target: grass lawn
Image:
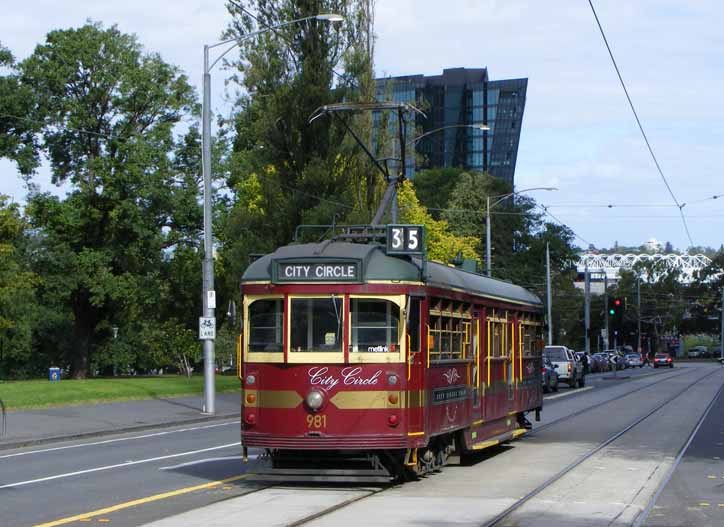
[(18, 395)]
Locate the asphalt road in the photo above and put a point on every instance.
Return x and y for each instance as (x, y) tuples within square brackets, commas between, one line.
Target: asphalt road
[(134, 479)]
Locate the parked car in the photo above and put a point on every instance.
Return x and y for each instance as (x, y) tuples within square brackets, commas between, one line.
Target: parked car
[(633, 360), (663, 359), (600, 362), (698, 352), (549, 376), (569, 368)]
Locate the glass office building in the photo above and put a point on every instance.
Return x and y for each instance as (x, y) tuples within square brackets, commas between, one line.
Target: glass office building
[(461, 96)]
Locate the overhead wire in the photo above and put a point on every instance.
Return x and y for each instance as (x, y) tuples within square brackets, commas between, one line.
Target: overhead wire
[(641, 128)]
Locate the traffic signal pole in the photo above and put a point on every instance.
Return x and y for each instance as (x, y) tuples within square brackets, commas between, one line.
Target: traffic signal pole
[(587, 310), (605, 303)]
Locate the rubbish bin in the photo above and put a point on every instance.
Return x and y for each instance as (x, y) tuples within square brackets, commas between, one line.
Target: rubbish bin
[(53, 374)]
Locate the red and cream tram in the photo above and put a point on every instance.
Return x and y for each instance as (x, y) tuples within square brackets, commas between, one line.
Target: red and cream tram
[(357, 362)]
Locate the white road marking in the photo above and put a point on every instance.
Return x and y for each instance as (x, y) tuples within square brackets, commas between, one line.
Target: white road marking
[(208, 460), (108, 441), (572, 392), (119, 465)]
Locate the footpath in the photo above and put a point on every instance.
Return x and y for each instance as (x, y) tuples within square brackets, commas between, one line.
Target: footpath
[(46, 425)]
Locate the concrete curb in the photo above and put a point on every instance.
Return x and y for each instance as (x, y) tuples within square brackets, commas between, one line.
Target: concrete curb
[(107, 432)]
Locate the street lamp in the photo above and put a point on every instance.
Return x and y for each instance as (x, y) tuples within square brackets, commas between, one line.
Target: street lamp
[(487, 221), (209, 296)]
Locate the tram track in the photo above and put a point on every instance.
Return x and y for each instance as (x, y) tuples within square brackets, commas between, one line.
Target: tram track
[(339, 506), (607, 401), (506, 514)]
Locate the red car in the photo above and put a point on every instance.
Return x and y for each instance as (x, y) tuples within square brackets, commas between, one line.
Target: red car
[(662, 359)]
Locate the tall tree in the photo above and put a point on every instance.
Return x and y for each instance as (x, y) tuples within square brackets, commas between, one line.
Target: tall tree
[(18, 308), (285, 171), (108, 110)]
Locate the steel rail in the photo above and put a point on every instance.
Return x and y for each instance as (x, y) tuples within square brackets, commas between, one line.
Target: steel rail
[(500, 517), (598, 405), (341, 505), (643, 515)]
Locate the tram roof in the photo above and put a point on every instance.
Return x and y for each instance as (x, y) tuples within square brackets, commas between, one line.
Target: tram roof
[(378, 266)]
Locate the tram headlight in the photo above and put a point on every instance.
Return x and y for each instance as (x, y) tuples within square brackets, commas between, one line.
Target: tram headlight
[(250, 379), (392, 379), (315, 400)]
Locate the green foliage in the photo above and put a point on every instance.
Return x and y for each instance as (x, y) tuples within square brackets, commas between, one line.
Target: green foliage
[(285, 171), (435, 186), (108, 111), (442, 244), (18, 308)]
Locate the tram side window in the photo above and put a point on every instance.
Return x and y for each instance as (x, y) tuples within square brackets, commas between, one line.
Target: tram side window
[(265, 326), (375, 326), (531, 340), (496, 341), (450, 335), (316, 324)]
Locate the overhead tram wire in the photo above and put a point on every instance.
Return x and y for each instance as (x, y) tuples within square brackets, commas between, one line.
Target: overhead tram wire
[(549, 213), (641, 128)]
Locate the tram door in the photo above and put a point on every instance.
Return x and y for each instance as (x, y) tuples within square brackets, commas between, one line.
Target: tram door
[(415, 366), (478, 377), (510, 363)]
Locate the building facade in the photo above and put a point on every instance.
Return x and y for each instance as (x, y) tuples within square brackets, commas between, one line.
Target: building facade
[(456, 101)]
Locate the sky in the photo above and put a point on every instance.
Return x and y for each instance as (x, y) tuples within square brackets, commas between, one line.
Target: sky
[(579, 134)]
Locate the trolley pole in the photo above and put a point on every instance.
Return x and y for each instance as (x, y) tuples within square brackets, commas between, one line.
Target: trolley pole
[(548, 291), (587, 310)]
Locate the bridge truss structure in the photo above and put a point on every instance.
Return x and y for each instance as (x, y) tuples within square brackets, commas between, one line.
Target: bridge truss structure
[(612, 264)]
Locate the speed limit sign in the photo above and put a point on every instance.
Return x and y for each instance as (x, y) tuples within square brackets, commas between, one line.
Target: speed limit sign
[(405, 239)]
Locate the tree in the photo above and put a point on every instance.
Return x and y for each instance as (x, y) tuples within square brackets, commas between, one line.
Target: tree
[(108, 110), (434, 187), (442, 244), (285, 171), (18, 309)]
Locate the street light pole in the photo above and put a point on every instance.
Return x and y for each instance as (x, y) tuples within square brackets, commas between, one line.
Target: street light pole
[(488, 241), (208, 293)]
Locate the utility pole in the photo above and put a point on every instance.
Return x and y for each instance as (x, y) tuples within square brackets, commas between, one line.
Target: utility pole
[(548, 290), (488, 241), (638, 310), (721, 334), (587, 310), (605, 304)]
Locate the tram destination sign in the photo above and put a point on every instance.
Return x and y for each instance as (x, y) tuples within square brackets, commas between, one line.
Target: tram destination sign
[(329, 271)]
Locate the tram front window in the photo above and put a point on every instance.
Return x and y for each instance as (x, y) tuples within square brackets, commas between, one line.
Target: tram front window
[(375, 326), (316, 324), (265, 326)]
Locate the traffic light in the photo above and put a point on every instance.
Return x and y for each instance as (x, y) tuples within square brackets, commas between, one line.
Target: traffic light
[(616, 307)]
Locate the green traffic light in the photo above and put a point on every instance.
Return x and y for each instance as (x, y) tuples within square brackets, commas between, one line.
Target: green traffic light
[(611, 312)]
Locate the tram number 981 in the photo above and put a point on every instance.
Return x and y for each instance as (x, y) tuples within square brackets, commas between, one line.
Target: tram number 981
[(405, 239), (317, 421)]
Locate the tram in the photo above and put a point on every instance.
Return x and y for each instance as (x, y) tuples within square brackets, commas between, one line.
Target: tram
[(362, 360)]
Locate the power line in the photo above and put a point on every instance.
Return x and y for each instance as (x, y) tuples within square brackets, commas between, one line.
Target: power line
[(546, 211), (641, 128)]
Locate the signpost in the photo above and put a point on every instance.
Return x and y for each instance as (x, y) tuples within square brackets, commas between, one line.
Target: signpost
[(207, 328)]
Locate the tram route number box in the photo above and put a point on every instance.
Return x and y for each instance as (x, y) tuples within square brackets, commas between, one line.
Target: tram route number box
[(406, 239)]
